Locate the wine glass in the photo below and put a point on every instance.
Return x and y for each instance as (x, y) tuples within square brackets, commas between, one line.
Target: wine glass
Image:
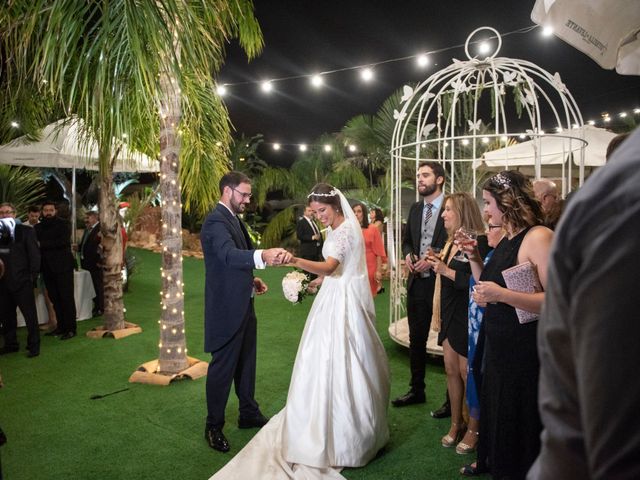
[(462, 237)]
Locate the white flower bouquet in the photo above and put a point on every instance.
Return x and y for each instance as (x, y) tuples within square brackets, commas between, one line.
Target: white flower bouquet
[(294, 286)]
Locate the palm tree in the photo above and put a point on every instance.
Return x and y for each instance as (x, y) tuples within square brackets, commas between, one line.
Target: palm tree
[(20, 186), (129, 69)]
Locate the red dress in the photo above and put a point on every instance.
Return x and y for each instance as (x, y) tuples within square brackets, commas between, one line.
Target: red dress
[(374, 248)]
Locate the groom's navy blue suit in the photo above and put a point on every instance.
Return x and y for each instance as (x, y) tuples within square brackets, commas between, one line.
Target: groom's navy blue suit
[(229, 316)]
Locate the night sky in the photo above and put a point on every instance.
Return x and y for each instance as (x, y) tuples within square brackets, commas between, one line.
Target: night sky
[(304, 37)]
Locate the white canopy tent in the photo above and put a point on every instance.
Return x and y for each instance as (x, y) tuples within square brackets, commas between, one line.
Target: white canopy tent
[(588, 142), (64, 144), (554, 149)]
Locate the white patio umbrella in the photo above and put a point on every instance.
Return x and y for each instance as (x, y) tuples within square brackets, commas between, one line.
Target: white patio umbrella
[(63, 145), (606, 30)]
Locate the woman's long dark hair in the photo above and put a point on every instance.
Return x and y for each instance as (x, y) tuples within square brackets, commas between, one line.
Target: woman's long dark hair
[(514, 196)]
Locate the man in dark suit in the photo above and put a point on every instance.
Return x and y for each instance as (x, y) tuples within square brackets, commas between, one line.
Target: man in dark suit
[(91, 258), (21, 259), (54, 236), (310, 238), (424, 229), (230, 321)]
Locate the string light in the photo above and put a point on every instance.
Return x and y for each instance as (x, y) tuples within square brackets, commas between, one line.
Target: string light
[(366, 74), (327, 148), (221, 90), (15, 124), (316, 80), (484, 47), (276, 146), (352, 148), (547, 31), (266, 87), (422, 60), (303, 147)]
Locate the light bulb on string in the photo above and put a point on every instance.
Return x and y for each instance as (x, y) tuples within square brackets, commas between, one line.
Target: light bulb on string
[(484, 47), (222, 90), (547, 31), (276, 146), (316, 80), (15, 124), (302, 147), (327, 148), (366, 74), (623, 114), (591, 122), (636, 110), (422, 61), (266, 86)]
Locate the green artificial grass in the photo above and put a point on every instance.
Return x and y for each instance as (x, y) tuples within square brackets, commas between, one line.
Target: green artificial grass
[(55, 431)]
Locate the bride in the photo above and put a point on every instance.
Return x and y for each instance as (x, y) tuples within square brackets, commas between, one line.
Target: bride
[(336, 410)]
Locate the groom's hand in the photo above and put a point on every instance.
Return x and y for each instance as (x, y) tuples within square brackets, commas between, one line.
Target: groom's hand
[(275, 256), (260, 286)]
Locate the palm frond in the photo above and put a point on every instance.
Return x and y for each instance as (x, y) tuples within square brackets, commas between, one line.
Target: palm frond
[(278, 226)]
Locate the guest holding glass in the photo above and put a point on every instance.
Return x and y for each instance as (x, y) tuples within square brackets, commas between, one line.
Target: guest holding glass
[(475, 351), (374, 248), (510, 422), (451, 293)]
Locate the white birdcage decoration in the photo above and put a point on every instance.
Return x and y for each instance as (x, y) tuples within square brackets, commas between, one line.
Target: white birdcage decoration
[(457, 114)]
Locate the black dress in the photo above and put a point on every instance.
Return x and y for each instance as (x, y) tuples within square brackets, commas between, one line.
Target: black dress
[(510, 424), (454, 302)]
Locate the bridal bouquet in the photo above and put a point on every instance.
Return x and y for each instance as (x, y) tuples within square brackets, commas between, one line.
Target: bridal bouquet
[(294, 286)]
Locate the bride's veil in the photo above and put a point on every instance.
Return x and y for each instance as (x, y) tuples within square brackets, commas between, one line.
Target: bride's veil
[(359, 264)]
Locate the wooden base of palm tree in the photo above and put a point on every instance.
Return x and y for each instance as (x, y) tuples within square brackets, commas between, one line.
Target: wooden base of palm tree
[(102, 332), (148, 372)]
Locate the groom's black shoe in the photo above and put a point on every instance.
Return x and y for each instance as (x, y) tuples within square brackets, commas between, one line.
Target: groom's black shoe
[(216, 439), (258, 421), (410, 398)]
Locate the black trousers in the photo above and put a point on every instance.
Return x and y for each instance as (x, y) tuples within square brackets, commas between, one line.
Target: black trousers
[(98, 285), (419, 310), (234, 362), (24, 299), (60, 288)]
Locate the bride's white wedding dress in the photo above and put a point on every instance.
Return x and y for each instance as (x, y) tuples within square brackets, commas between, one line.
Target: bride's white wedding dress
[(336, 411)]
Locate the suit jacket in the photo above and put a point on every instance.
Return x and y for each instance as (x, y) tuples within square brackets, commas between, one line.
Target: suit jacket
[(308, 248), (228, 259), (54, 237), (89, 249), (21, 259), (412, 233)]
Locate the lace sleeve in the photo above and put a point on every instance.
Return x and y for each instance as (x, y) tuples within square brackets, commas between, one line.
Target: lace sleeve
[(340, 243)]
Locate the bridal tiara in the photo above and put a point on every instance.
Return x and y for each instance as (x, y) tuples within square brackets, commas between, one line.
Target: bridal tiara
[(502, 180), (332, 193)]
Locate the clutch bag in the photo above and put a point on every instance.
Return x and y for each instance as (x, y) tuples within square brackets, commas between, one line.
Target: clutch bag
[(523, 278)]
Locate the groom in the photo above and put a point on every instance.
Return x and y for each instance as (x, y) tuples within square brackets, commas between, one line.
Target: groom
[(229, 316)]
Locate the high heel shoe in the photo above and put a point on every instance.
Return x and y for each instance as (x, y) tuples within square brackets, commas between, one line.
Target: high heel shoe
[(464, 448), (448, 441)]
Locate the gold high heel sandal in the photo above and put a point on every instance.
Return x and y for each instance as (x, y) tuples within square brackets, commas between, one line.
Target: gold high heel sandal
[(448, 441), (463, 448)]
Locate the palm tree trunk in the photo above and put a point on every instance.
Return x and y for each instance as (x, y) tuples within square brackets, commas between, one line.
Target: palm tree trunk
[(110, 229), (172, 347)]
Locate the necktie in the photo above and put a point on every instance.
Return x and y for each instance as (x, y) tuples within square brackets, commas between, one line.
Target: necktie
[(424, 241)]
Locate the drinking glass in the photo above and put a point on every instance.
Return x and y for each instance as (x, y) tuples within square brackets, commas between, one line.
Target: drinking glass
[(463, 237)]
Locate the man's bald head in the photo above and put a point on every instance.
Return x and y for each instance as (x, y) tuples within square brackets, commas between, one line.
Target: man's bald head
[(546, 192)]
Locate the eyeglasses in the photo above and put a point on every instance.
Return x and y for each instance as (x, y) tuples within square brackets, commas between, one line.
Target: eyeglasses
[(244, 195), (6, 212), (494, 226)]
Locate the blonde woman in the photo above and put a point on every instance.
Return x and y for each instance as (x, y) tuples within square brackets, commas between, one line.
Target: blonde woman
[(460, 212)]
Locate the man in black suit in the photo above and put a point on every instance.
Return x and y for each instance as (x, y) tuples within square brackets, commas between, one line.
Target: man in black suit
[(91, 258), (54, 236), (424, 229), (230, 325), (21, 258), (309, 236)]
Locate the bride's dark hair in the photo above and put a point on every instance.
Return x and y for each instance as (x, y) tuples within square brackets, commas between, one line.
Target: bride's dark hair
[(325, 193)]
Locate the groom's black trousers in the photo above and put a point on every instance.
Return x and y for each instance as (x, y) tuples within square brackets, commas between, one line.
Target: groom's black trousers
[(234, 362)]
